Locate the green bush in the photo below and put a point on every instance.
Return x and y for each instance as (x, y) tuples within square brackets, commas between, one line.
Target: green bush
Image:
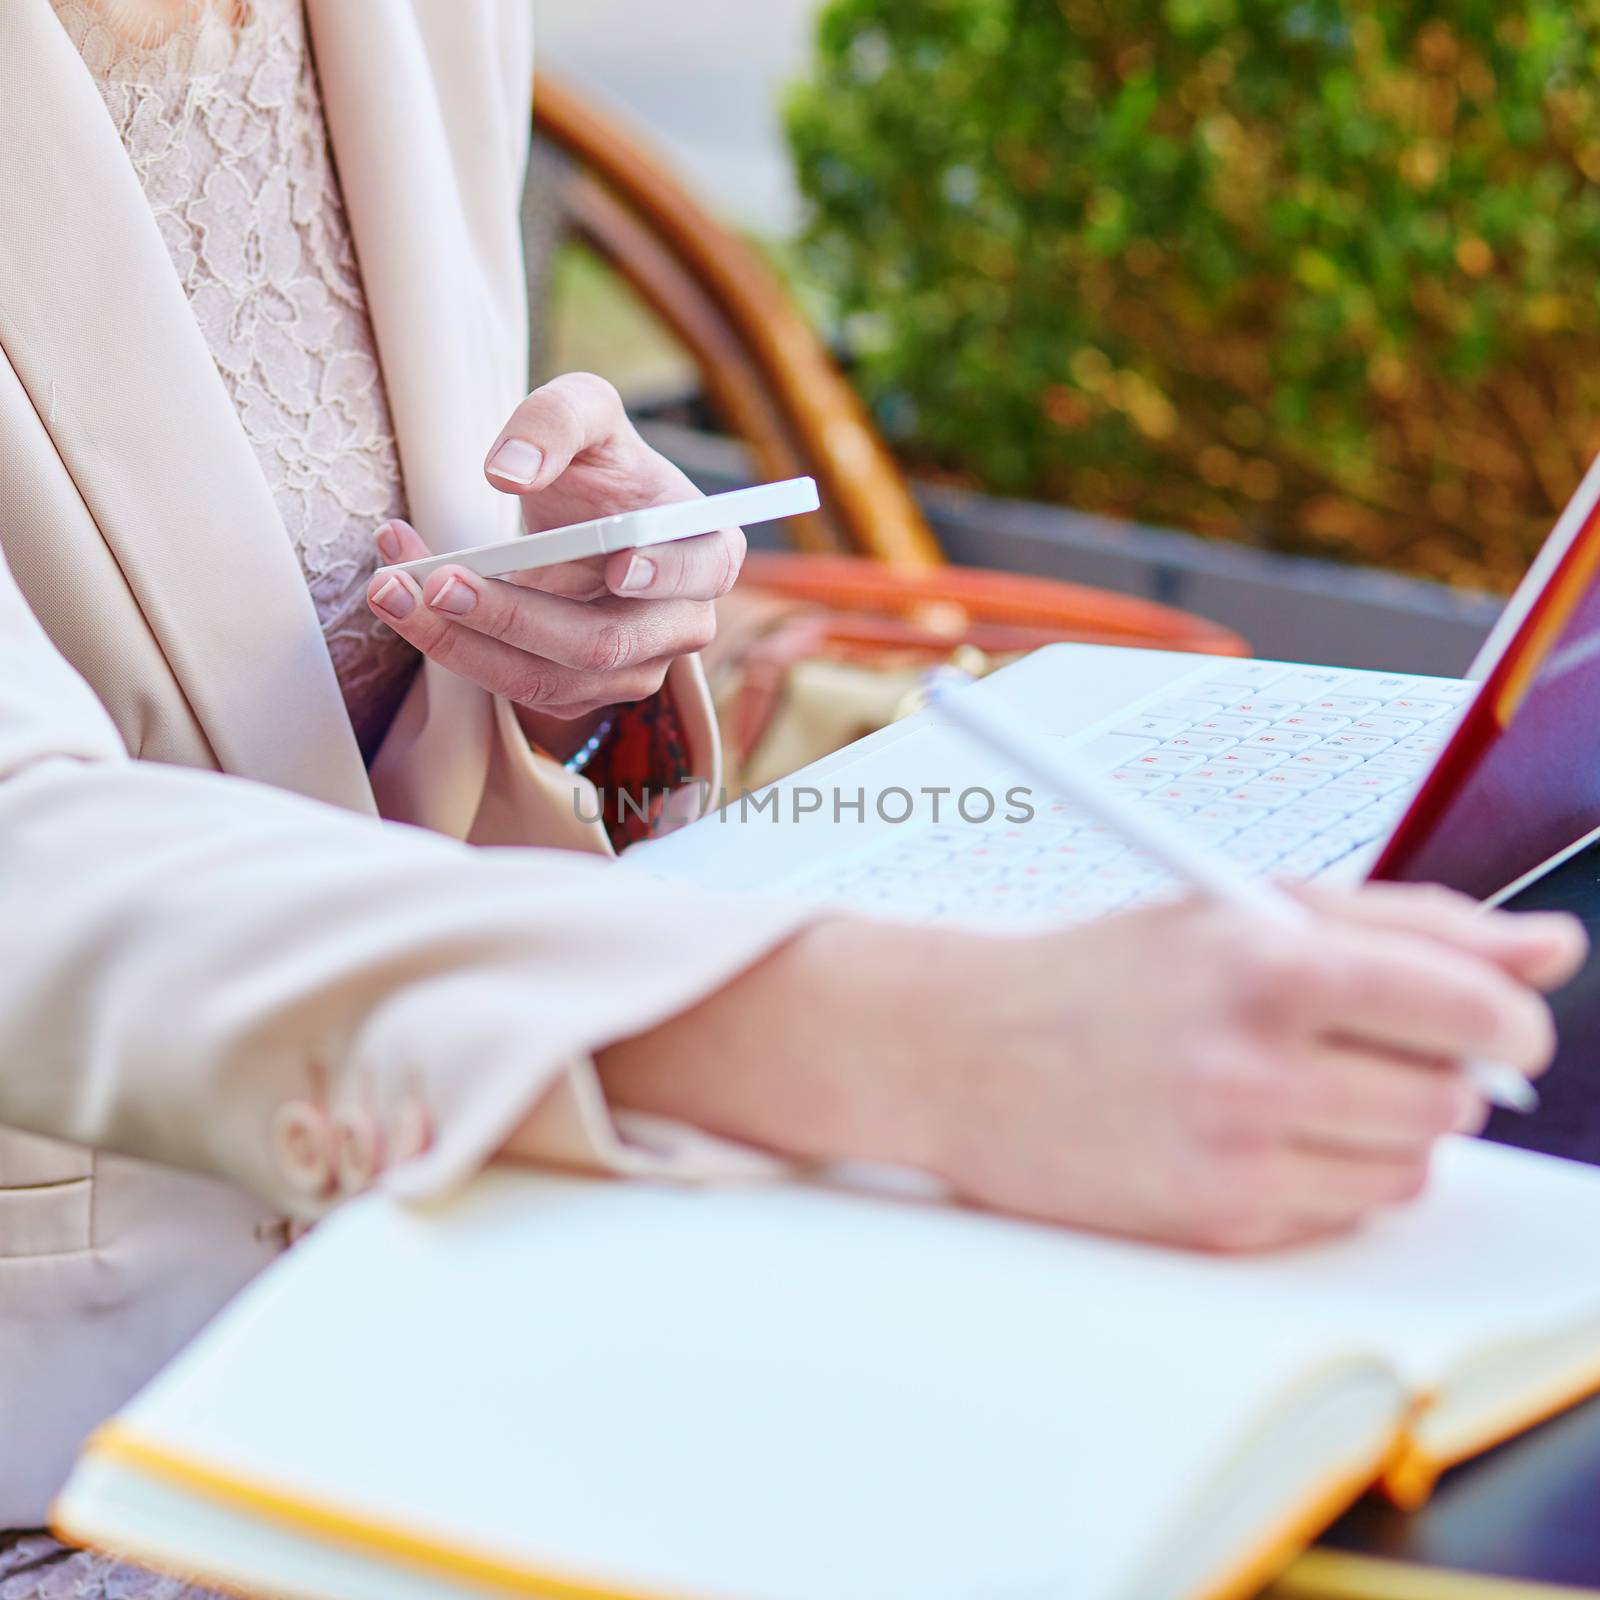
[(1323, 275)]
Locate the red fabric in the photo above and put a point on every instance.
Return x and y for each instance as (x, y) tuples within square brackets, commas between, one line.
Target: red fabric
[(645, 758)]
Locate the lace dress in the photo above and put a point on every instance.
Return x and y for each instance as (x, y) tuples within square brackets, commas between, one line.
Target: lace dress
[(222, 121), (223, 125)]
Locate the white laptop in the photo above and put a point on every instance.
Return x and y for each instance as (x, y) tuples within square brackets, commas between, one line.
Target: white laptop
[(1293, 770)]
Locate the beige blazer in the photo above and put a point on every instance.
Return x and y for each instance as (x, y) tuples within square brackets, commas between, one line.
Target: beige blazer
[(229, 993)]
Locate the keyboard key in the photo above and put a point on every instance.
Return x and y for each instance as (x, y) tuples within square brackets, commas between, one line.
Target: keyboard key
[(1389, 727), (1003, 857), (871, 874), (1291, 777), (1344, 705), (1385, 686), (1251, 756), (885, 899), (1191, 794), (1456, 694), (1085, 850), (1109, 750), (1376, 784), (1231, 811), (1312, 818), (1314, 857), (1389, 761), (971, 869), (1240, 675), (1422, 744), (831, 886), (1217, 773), (1171, 761), (1270, 709), (1127, 872), (1170, 808), (1208, 832), (1141, 777), (1145, 727), (1269, 795), (975, 846), (1426, 710), (1249, 851), (1231, 724), (1058, 813), (1166, 889), (1362, 828), (1284, 739), (1315, 722), (914, 857), (1361, 744), (1324, 760), (1020, 840), (1273, 831), (1396, 805), (1030, 885), (1050, 832), (1310, 683), (1203, 742), (1190, 710), (1335, 797)]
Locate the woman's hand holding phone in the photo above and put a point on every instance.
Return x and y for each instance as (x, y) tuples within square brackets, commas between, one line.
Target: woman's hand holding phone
[(567, 643)]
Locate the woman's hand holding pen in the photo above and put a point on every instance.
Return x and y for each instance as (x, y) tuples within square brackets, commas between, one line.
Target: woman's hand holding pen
[(1186, 1074)]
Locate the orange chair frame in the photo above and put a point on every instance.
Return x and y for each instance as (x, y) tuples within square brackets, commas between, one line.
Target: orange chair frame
[(775, 385)]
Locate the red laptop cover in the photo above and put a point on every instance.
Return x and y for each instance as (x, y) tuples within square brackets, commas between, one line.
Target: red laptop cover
[(1520, 780)]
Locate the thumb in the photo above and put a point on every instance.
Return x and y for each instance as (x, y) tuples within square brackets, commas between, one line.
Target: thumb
[(568, 416)]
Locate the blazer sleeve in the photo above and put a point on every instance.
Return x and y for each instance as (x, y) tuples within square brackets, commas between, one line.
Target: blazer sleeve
[(218, 975)]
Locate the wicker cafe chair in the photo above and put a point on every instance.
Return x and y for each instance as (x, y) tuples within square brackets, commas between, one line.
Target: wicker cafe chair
[(773, 384)]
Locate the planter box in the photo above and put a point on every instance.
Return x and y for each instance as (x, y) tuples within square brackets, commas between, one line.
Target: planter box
[(1288, 607)]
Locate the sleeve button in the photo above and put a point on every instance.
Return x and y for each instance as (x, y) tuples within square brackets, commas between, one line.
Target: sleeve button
[(413, 1129), (360, 1155), (302, 1144)]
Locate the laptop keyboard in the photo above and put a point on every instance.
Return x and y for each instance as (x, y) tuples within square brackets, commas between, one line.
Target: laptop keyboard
[(1285, 770)]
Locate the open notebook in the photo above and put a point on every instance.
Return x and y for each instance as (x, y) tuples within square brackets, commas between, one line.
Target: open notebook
[(569, 1388)]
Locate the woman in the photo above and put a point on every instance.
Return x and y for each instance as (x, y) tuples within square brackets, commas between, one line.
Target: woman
[(260, 325)]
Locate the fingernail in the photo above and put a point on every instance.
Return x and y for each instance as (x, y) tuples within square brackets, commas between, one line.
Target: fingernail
[(395, 600), (517, 461), (388, 537), (456, 597), (641, 574)]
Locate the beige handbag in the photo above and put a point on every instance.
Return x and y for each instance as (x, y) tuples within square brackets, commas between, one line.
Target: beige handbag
[(814, 652)]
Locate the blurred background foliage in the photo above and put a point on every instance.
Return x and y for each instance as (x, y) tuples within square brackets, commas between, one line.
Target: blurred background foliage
[(1321, 275)]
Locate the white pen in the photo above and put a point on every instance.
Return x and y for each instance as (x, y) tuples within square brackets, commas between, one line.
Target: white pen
[(992, 723)]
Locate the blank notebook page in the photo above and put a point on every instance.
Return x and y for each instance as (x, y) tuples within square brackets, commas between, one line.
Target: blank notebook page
[(785, 1391)]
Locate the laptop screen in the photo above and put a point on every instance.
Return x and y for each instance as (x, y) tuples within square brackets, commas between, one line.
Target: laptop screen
[(1520, 780)]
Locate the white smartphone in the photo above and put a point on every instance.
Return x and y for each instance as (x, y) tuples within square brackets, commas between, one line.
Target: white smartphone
[(631, 530)]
